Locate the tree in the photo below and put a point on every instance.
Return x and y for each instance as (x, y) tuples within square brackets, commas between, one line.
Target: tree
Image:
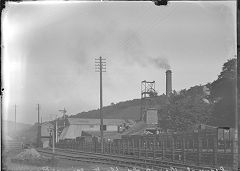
[(187, 109), (152, 93), (223, 95)]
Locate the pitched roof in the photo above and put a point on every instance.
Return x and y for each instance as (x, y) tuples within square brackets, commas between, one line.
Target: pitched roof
[(82, 121), (47, 124)]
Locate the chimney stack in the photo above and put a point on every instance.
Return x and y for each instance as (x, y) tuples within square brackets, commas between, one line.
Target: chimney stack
[(168, 82)]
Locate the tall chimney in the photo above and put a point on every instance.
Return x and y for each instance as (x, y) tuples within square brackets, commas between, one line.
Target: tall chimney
[(168, 82)]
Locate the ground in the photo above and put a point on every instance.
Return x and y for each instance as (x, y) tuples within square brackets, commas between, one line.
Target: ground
[(61, 165)]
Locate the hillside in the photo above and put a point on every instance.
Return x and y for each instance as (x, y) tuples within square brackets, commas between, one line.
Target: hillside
[(187, 107), (123, 110)]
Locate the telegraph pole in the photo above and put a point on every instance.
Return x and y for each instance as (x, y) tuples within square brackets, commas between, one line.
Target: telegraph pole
[(15, 109), (2, 89), (100, 66), (56, 132), (38, 125), (236, 133), (38, 113), (64, 115)]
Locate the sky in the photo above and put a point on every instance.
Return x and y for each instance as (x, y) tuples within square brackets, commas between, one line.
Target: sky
[(50, 48)]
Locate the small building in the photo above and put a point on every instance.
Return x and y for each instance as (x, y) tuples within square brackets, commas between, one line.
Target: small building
[(45, 133), (77, 125), (151, 116), (47, 127)]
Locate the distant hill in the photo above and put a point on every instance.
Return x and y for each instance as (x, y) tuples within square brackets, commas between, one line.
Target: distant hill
[(130, 109), (8, 128), (29, 135)]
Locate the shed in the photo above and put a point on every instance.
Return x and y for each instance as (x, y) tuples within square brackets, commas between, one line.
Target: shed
[(77, 125)]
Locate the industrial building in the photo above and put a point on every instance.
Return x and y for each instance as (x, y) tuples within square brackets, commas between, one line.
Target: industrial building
[(76, 126)]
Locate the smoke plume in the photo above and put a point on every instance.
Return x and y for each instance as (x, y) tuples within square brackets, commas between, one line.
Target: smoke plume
[(134, 48), (161, 63)]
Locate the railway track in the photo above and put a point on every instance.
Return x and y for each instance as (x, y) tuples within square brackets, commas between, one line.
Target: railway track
[(86, 158), (121, 161)]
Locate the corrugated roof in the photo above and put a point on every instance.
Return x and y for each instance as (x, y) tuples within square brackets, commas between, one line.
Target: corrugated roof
[(82, 121), (71, 132)]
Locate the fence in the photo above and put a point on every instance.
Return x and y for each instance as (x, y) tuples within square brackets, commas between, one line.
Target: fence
[(199, 148)]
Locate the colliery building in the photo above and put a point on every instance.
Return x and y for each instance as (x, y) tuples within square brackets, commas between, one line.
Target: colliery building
[(76, 127)]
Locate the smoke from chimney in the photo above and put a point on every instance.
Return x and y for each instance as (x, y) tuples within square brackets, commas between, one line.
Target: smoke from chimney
[(161, 63), (168, 82)]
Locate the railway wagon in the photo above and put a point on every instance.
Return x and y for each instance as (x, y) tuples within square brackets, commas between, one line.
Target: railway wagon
[(202, 147)]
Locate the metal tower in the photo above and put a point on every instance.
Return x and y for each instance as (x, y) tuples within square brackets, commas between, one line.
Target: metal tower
[(147, 93)]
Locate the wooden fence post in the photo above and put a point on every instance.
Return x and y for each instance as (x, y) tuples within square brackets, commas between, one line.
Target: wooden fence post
[(119, 147), (133, 146), (199, 142), (163, 148), (109, 147), (127, 146), (139, 147), (94, 146), (116, 147), (145, 146), (215, 150), (113, 147), (154, 143), (183, 148), (173, 148), (122, 144)]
